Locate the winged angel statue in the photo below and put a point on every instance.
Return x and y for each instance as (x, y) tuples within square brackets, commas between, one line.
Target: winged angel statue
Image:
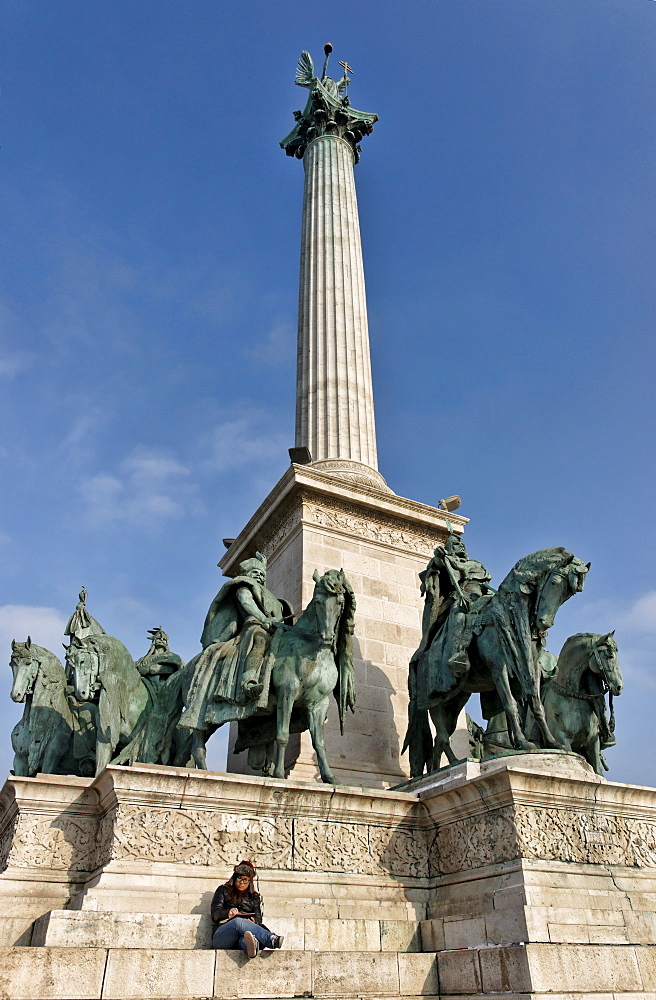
[(305, 75), (328, 111)]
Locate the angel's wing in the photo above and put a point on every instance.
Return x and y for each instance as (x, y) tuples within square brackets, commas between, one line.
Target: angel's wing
[(305, 70)]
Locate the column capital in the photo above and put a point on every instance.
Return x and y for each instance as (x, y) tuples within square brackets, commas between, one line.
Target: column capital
[(327, 112)]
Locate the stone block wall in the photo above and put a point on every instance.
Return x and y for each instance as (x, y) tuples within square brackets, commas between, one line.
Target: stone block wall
[(527, 877)]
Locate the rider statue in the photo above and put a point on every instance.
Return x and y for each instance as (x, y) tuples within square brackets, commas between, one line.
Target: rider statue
[(239, 628), (81, 623), (159, 662), (451, 584)]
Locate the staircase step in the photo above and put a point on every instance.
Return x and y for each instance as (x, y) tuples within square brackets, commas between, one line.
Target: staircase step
[(172, 931), (44, 973)]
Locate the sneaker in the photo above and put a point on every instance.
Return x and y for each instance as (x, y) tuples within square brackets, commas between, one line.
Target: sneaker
[(278, 940), (252, 945)]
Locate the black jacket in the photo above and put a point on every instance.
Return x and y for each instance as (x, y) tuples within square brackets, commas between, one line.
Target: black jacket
[(221, 906)]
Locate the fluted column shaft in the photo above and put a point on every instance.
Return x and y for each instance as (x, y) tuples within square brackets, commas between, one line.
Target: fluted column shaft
[(334, 394)]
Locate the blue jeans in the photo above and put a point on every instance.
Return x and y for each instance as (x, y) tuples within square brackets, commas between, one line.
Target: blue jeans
[(231, 934)]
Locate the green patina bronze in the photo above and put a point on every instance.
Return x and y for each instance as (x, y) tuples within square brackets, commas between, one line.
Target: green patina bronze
[(586, 670), (101, 708), (138, 706), (56, 734), (476, 640), (271, 676), (257, 668), (327, 111)]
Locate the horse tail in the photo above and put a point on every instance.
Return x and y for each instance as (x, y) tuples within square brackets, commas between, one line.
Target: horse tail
[(418, 740), (514, 634), (345, 687)]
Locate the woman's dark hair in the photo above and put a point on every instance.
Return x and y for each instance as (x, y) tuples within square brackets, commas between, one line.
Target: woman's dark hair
[(236, 895)]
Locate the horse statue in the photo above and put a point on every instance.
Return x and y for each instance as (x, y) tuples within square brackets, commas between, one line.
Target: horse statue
[(303, 664), (500, 645), (574, 698), (136, 717), (55, 734)]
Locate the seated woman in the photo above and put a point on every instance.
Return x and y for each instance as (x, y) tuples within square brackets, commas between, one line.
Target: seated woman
[(237, 914)]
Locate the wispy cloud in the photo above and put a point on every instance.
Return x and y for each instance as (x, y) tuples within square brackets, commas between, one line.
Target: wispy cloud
[(277, 347), (641, 616), (147, 488), (634, 624), (13, 363), (251, 437), (44, 625)]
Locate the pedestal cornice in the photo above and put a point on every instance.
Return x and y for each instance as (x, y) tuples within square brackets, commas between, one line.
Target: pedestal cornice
[(306, 493)]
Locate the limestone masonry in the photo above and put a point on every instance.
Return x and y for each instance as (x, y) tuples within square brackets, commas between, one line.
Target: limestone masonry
[(523, 877)]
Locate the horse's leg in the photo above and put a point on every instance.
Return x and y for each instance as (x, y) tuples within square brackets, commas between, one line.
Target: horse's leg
[(548, 740), (269, 759), (103, 754), (286, 695), (198, 749), (592, 753), (515, 731), (55, 752), (438, 714), (317, 719), (20, 766), (553, 711)]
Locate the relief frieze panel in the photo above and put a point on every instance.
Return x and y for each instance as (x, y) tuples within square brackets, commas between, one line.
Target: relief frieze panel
[(400, 851), (375, 527), (546, 835), (199, 837), (474, 842), (83, 843), (60, 843), (588, 838), (332, 847)]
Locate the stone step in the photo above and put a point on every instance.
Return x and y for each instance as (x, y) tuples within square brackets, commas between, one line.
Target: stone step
[(172, 931), (33, 973)]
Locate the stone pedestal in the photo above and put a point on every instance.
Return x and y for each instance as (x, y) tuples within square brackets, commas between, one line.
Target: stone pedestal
[(326, 520), (522, 878)]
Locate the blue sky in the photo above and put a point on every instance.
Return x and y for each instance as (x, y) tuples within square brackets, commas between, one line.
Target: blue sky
[(149, 283)]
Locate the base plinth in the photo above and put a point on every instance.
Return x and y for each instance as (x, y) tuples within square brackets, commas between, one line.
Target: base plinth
[(511, 882)]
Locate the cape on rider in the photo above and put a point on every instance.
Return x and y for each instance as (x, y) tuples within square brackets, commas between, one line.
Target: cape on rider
[(239, 628), (451, 583)]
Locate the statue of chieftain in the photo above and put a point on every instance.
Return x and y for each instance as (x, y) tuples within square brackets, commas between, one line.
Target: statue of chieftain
[(238, 631), (450, 585), (478, 640), (268, 673)]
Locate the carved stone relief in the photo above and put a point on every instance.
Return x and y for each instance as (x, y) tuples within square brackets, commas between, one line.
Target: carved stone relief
[(283, 527), (79, 843), (475, 842), (545, 835), (7, 840), (62, 842), (332, 847), (200, 837), (592, 838), (386, 531), (401, 851)]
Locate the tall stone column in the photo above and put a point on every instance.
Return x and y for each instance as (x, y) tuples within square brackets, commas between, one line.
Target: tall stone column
[(334, 394), (336, 510)]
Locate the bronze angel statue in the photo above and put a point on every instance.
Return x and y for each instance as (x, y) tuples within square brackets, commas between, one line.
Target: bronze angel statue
[(327, 111), (305, 75)]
